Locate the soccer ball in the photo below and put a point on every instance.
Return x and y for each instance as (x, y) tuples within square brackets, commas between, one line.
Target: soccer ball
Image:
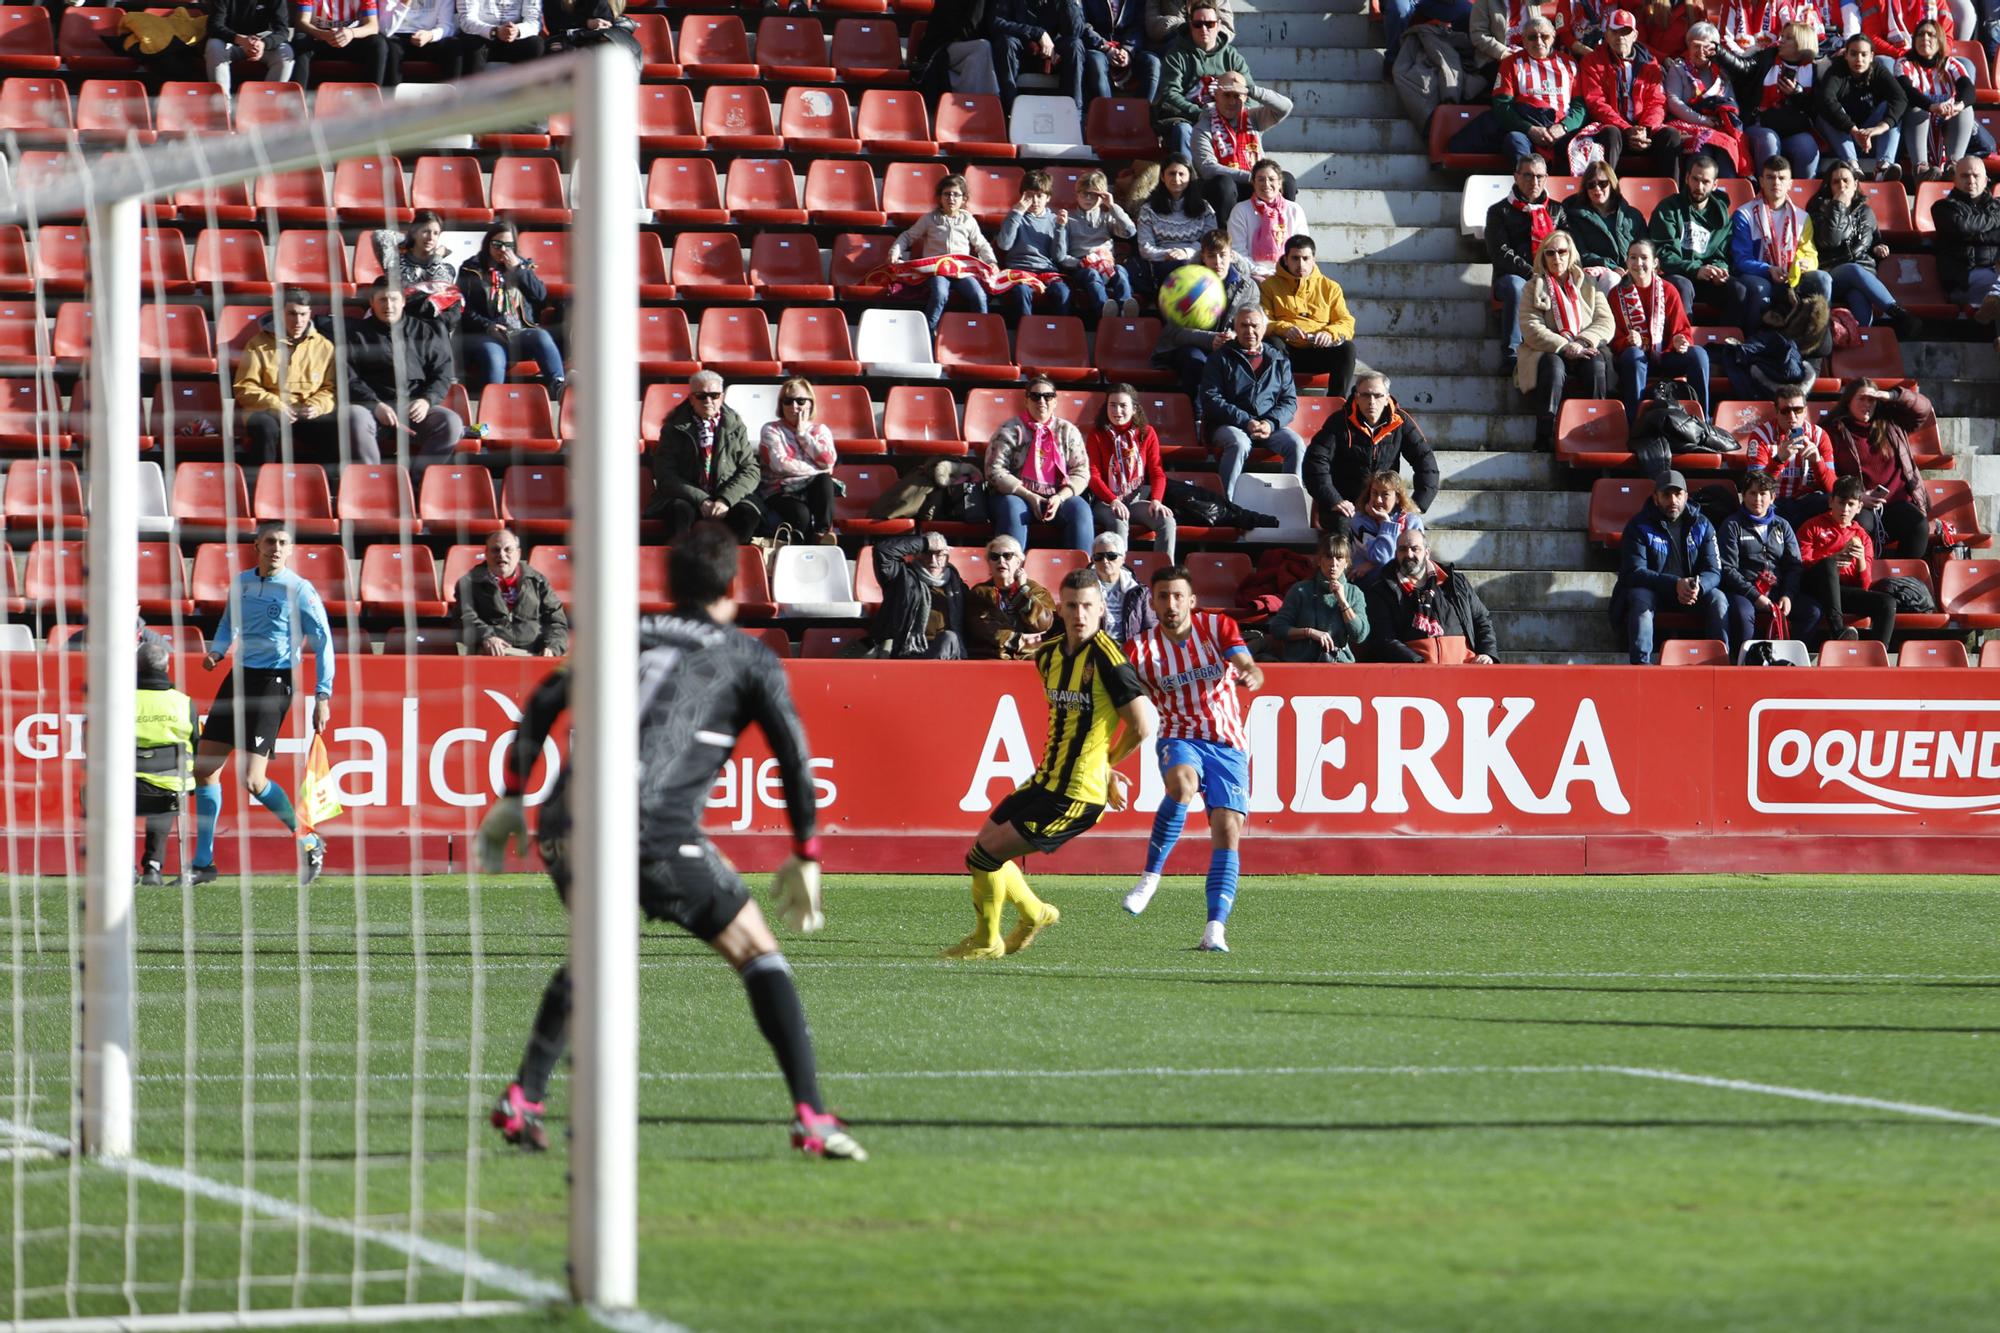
[(1192, 297)]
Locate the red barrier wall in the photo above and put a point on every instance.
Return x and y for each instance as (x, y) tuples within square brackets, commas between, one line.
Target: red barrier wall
[(1354, 770)]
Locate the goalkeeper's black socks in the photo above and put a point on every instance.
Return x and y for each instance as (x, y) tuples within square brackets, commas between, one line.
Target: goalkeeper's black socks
[(782, 1019), (546, 1042)]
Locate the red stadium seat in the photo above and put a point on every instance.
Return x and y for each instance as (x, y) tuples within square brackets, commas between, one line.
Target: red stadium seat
[(403, 641), (666, 346), (298, 496), (1932, 653), (216, 565), (866, 483), (399, 581), (987, 410), (17, 274), (685, 192), (842, 194), (315, 260), (552, 562), (190, 412), (375, 499), (653, 283), (825, 643), (792, 49), (236, 325), (659, 402), (272, 105), (1171, 416), (868, 51), (212, 497), (1952, 502), (763, 192), (991, 193), (174, 339), (973, 125), (26, 40), (192, 108), (909, 190), (85, 41), (518, 417), (1694, 652), (815, 343), (656, 46), (1125, 352), (1055, 346), (1982, 74), (1969, 592), (736, 342), (1048, 566), (974, 347), (69, 337), (666, 120), (534, 499), (1646, 193), (30, 422), (1890, 203), (737, 119), (894, 122), (752, 589), (326, 568), (529, 191), (338, 100), (550, 251), (458, 562), (457, 499), (922, 419), (1592, 433), (1989, 652), (43, 496), (708, 266), (651, 567), (1217, 577), (215, 205), (114, 111), (55, 578), (1613, 503), (1928, 195), (1920, 570), (23, 337), (1854, 653), (371, 192), (454, 187), (784, 266), (1118, 128), (163, 264), (715, 47), (819, 121), (62, 258), (848, 411), (774, 638), (855, 260), (1876, 355), (296, 198), (36, 110), (1448, 121)]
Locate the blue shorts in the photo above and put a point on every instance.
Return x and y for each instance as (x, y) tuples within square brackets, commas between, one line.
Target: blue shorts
[(1223, 770)]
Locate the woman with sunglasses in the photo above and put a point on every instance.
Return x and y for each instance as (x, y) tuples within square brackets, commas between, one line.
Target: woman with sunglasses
[(502, 293), (1603, 224), (798, 455), (1037, 471), (1565, 326)]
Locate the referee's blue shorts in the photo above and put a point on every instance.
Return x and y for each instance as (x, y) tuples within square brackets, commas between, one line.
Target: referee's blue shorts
[(1223, 770)]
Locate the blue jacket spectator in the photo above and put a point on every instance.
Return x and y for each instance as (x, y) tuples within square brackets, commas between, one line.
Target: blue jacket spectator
[(1670, 562), (1248, 398)]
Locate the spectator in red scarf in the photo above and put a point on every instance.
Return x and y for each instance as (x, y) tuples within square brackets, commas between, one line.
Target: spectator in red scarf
[(1536, 99), (1939, 128), (1261, 224), (1566, 329), (1625, 98), (705, 464), (1701, 101), (1797, 454), (1771, 244), (1839, 565), (1870, 431), (507, 609), (1653, 335), (1416, 599), (1127, 481), (1229, 140), (1514, 228)]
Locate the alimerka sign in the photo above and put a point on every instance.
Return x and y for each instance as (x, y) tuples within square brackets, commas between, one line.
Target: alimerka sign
[(1453, 770)]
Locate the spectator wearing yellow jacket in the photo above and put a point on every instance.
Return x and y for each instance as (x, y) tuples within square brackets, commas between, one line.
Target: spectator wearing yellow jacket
[(1308, 313), (286, 381)]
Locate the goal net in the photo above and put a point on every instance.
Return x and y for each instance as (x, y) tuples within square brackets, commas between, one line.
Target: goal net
[(247, 1100)]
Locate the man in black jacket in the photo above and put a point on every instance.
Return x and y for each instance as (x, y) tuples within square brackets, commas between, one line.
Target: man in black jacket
[(954, 55), (1414, 597), (1761, 566), (1968, 239), (410, 400), (1372, 435), (1861, 105), (257, 31), (1040, 32), (1514, 227), (923, 599)]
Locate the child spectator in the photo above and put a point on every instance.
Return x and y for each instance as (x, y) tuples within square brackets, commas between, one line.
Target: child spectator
[(947, 230), (1103, 288), (1035, 240)]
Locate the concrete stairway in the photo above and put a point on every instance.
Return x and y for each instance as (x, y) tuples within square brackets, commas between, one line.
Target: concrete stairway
[(1387, 228)]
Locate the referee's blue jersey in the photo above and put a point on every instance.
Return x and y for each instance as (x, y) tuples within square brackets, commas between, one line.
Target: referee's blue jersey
[(279, 613)]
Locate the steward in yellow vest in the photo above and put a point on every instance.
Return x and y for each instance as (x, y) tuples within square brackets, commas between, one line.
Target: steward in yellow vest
[(164, 732)]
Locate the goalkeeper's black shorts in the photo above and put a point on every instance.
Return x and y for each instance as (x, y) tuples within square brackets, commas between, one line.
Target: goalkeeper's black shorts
[(696, 888), (1045, 819)]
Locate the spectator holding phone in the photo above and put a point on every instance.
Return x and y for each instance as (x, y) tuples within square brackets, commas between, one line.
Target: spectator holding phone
[(1797, 454)]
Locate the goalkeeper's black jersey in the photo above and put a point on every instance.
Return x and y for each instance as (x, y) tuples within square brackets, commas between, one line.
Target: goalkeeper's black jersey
[(700, 685)]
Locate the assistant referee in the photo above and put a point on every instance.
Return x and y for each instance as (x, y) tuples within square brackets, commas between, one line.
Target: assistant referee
[(278, 613)]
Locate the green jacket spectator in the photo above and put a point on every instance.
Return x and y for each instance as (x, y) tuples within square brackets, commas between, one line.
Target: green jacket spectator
[(1314, 604)]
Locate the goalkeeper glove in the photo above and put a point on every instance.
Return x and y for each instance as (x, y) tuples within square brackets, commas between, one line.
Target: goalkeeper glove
[(795, 893), (504, 822)]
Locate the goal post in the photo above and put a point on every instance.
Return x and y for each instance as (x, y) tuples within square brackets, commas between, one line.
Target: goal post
[(598, 87)]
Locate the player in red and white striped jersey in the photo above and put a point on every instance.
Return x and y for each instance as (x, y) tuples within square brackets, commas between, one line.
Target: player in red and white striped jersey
[(1191, 664)]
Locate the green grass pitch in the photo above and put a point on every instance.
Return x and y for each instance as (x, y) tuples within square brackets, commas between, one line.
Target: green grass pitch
[(1398, 1105)]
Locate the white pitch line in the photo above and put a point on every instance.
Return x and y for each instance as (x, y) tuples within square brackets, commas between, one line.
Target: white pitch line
[(447, 1258), (1809, 1095)]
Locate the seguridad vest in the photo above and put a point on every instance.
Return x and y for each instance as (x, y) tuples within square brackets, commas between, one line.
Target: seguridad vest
[(163, 731)]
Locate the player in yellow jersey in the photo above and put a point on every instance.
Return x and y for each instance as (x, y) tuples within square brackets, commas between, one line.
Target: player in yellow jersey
[(1091, 688)]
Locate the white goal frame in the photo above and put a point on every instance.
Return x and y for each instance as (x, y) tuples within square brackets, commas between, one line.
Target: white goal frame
[(599, 87)]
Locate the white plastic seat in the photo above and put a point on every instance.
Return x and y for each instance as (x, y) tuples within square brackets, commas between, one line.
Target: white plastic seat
[(1281, 495), (1784, 650), (813, 581), (416, 92), (1481, 193), (154, 518), (1047, 127), (16, 638), (757, 404), (896, 343)]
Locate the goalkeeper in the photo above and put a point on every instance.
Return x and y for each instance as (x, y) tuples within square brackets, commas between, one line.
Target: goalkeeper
[(700, 684)]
